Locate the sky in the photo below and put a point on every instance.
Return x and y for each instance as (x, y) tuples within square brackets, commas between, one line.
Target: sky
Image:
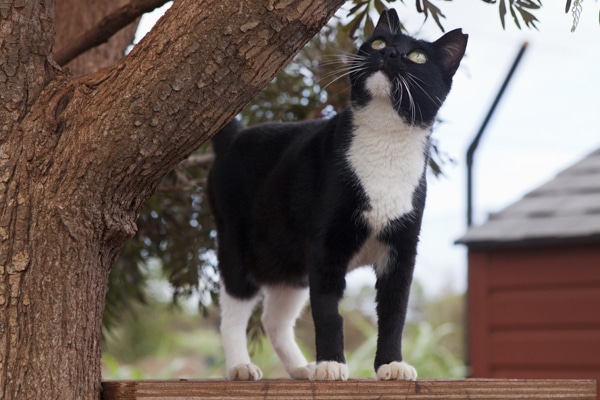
[(546, 121)]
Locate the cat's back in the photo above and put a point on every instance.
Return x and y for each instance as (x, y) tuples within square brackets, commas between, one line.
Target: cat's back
[(250, 159), (275, 138), (257, 150)]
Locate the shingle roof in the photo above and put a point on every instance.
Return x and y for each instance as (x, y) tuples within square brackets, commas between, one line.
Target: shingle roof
[(565, 209)]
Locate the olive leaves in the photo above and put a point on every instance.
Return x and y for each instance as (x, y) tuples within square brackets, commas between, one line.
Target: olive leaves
[(519, 8), (361, 13), (576, 12)]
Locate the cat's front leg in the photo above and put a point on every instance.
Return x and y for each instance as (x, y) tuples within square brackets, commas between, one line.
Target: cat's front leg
[(326, 290), (393, 286), (396, 371), (328, 371)]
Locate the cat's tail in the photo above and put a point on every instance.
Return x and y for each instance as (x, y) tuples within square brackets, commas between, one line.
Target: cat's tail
[(224, 137)]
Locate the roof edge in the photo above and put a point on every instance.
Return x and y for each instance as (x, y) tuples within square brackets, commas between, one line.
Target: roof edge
[(532, 242)]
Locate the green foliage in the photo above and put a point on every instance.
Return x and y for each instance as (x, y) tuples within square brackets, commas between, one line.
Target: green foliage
[(428, 8), (519, 8), (363, 12), (576, 12)]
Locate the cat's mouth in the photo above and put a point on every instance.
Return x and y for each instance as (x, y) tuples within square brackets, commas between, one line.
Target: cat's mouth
[(378, 84), (381, 64)]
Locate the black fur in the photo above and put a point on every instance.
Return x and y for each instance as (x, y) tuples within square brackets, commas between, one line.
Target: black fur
[(288, 205)]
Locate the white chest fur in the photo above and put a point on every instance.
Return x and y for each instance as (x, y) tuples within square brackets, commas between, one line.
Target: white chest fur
[(388, 156)]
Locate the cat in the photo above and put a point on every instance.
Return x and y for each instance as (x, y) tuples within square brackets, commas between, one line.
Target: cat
[(298, 205)]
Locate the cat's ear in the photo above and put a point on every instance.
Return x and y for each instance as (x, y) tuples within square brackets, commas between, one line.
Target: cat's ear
[(451, 49), (388, 23)]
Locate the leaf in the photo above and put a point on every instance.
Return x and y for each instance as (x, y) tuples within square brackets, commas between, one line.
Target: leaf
[(568, 6), (502, 10), (519, 12), (379, 6), (419, 6), (369, 25), (529, 18), (439, 159), (435, 167), (514, 14), (357, 7), (531, 4), (436, 13), (436, 17), (355, 23)]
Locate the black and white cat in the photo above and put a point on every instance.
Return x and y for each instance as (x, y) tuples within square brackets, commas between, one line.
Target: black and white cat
[(298, 205)]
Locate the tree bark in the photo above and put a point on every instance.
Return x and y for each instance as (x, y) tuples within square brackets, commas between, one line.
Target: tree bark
[(74, 18), (79, 156)]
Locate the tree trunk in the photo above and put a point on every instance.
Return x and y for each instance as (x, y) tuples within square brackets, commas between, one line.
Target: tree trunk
[(78, 158)]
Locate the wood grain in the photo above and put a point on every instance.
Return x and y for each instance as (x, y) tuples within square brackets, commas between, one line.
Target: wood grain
[(353, 389)]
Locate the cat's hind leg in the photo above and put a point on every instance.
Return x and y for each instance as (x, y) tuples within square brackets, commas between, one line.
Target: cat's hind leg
[(281, 307), (235, 314)]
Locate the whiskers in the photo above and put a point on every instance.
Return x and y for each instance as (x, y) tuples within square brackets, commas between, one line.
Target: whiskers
[(403, 87), (409, 85), (341, 66), (415, 81)]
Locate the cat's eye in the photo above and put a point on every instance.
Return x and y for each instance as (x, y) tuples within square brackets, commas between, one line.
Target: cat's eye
[(418, 57), (378, 44)]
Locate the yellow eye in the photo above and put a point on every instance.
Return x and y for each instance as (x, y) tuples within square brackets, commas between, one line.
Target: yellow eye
[(378, 44), (417, 57)]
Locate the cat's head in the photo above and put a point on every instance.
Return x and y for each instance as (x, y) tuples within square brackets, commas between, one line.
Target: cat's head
[(415, 75)]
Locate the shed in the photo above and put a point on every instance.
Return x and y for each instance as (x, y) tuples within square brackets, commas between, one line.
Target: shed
[(534, 282)]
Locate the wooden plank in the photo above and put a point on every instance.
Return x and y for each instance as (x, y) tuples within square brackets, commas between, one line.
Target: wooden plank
[(546, 348), (354, 389), (478, 298), (558, 307), (545, 373), (545, 267)]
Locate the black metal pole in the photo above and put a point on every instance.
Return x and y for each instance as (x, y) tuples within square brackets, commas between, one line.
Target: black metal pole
[(475, 142)]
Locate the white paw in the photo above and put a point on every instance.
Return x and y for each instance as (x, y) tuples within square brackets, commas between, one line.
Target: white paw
[(328, 371), (244, 372), (300, 373), (396, 371)]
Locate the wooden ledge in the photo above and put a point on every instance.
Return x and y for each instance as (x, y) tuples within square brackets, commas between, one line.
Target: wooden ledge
[(352, 390)]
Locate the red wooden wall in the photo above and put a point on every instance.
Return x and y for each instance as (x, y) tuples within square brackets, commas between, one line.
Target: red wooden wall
[(534, 312)]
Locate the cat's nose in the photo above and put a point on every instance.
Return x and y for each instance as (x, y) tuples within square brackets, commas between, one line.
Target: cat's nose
[(389, 52)]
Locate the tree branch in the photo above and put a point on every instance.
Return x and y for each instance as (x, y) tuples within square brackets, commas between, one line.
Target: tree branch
[(200, 66), (105, 29), (198, 159)]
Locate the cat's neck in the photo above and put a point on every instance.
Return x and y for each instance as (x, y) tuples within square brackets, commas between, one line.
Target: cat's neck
[(380, 118), (388, 156)]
